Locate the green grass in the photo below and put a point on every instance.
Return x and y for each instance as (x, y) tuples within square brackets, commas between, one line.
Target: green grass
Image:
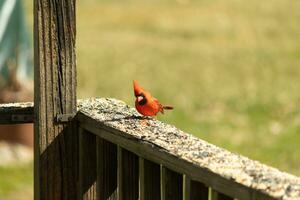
[(230, 67), (16, 182)]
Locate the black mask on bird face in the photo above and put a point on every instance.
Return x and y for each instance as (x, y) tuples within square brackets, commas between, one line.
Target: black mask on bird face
[(141, 99)]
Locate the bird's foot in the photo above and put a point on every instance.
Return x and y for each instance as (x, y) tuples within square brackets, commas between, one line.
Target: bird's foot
[(145, 122)]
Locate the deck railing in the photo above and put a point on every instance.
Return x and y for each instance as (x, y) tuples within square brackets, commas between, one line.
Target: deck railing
[(124, 156), (127, 157), (107, 151)]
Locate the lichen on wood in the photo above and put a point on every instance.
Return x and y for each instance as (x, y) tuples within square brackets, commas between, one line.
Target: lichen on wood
[(231, 166), (235, 168)]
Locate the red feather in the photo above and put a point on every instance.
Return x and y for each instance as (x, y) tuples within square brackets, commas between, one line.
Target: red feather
[(145, 103)]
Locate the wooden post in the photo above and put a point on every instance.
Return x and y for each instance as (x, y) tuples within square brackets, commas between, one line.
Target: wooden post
[(128, 175), (87, 165), (56, 143), (106, 170), (195, 190), (172, 184), (215, 195), (149, 179)]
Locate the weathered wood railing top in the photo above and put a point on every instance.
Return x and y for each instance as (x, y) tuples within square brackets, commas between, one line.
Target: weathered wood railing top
[(13, 113), (113, 134), (186, 153), (227, 172)]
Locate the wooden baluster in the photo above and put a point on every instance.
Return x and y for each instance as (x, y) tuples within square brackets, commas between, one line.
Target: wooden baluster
[(106, 170), (87, 165), (215, 195), (171, 183), (128, 175), (149, 180), (195, 190)]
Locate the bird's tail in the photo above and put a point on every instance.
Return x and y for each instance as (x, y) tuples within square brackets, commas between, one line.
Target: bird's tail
[(168, 107), (162, 108)]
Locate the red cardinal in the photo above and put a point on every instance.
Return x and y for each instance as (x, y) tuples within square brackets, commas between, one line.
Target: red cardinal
[(145, 103)]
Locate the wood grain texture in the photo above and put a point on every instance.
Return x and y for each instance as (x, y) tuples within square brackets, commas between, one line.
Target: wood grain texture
[(195, 190), (172, 184), (158, 155), (106, 170), (128, 175), (149, 180), (87, 165), (226, 172), (56, 145)]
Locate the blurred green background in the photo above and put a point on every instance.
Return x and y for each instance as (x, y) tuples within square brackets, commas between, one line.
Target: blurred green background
[(231, 68)]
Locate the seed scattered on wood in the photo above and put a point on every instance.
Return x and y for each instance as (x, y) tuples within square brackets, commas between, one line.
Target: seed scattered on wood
[(116, 114)]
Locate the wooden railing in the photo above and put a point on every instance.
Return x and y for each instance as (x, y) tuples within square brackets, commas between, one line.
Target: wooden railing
[(107, 151), (124, 156), (127, 157)]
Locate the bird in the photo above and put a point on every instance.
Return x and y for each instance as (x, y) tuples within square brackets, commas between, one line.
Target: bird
[(146, 104)]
